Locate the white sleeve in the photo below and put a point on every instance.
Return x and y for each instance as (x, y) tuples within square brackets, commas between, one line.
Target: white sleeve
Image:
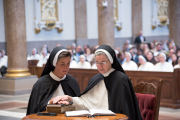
[(78, 104)]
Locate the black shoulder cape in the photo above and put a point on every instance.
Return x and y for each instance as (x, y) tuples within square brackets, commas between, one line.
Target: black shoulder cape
[(44, 89), (121, 95)]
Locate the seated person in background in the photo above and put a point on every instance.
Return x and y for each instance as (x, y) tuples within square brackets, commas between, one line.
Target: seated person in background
[(110, 89), (54, 81), (129, 64), (150, 57), (121, 57), (83, 64), (178, 53), (163, 66), (178, 65), (34, 55), (93, 62), (158, 49), (45, 48), (78, 53), (89, 54), (73, 63), (3, 65), (174, 59), (169, 58), (133, 52), (43, 58), (3, 55), (145, 66)]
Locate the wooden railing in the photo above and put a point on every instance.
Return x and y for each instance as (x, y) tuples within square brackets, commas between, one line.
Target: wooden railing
[(170, 96)]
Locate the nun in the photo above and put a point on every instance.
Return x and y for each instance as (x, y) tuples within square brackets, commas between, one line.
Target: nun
[(111, 89), (145, 66), (54, 81), (163, 66), (129, 64)]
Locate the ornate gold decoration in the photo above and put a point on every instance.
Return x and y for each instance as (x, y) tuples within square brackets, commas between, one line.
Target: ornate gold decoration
[(163, 22), (162, 11), (37, 30), (60, 30), (153, 27), (50, 24), (119, 28), (18, 73), (115, 10)]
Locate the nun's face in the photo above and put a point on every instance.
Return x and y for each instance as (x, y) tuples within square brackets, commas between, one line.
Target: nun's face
[(103, 64), (128, 58), (142, 62), (161, 58), (62, 67)]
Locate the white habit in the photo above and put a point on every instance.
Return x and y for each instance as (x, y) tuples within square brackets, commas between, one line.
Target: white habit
[(177, 66), (59, 91), (131, 65), (42, 61), (73, 64), (147, 67), (164, 67), (95, 98), (85, 65)]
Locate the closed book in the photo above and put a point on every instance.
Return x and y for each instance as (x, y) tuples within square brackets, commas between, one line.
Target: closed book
[(58, 108)]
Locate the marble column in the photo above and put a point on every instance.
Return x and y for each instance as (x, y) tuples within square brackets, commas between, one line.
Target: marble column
[(80, 19), (15, 33), (174, 21), (106, 23), (136, 17)]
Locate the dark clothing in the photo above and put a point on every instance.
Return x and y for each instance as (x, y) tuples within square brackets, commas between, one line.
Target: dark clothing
[(44, 89), (136, 59), (138, 40), (153, 61), (3, 70), (121, 96)]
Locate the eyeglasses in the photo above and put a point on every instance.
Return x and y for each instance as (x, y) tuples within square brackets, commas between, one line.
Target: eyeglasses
[(101, 63)]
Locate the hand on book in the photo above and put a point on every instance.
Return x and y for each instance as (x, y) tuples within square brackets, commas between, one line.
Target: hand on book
[(61, 100)]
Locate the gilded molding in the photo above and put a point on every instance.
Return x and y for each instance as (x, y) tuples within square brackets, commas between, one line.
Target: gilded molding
[(18, 73)]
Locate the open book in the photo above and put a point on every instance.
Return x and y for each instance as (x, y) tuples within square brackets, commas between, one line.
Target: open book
[(91, 112)]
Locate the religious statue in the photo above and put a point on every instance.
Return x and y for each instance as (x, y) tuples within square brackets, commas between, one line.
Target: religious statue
[(48, 10), (162, 9)]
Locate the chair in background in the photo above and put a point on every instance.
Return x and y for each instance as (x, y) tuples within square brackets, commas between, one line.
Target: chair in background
[(148, 96), (32, 64)]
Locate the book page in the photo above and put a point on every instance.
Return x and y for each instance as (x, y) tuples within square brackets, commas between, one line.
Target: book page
[(77, 113), (101, 112)]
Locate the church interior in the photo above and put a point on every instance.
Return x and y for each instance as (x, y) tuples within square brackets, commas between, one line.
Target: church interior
[(144, 34)]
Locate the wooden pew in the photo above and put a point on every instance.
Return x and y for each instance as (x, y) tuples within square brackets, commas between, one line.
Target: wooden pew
[(170, 96)]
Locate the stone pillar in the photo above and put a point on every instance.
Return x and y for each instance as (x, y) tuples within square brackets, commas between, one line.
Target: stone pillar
[(106, 23), (15, 33), (174, 21), (80, 20), (136, 17)]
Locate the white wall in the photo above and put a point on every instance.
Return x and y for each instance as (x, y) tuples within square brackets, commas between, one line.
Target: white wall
[(92, 19), (2, 24), (68, 32), (146, 15), (126, 30)]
